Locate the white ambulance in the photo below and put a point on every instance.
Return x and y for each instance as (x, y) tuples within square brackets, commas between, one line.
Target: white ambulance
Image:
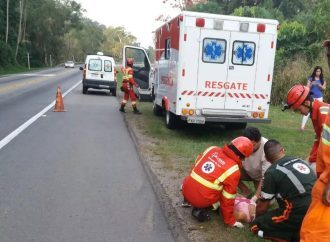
[(209, 68)]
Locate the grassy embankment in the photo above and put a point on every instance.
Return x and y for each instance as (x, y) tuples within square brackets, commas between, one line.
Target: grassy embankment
[(183, 145)]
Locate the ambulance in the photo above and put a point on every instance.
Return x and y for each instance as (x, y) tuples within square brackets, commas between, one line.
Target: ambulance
[(209, 68)]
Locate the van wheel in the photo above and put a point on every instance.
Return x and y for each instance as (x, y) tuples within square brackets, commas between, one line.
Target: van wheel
[(235, 125), (158, 110), (172, 121), (113, 91), (84, 89)]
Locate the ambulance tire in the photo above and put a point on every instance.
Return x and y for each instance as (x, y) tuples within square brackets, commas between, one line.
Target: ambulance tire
[(235, 125), (84, 89), (157, 110), (172, 121), (113, 91)]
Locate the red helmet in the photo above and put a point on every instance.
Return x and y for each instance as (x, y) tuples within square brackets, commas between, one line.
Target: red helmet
[(296, 96), (130, 61), (243, 145)]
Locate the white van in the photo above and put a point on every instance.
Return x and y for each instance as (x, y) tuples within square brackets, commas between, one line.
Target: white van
[(99, 73)]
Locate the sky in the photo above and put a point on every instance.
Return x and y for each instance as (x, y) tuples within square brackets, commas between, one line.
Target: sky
[(136, 16)]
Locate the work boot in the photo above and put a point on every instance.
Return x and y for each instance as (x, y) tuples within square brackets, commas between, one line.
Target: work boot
[(136, 111), (122, 108), (201, 214)]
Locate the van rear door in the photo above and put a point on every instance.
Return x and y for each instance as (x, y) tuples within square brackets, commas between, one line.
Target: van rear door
[(94, 68), (243, 54), (212, 69)]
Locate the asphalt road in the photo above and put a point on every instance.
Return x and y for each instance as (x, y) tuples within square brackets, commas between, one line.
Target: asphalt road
[(71, 176)]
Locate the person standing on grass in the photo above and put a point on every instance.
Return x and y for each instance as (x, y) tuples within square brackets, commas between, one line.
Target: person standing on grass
[(290, 181), (299, 99), (214, 178), (317, 86), (255, 166)]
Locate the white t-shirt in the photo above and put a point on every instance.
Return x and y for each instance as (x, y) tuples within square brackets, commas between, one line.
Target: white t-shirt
[(256, 164)]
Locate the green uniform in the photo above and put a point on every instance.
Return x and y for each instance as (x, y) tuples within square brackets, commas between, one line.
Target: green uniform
[(290, 181)]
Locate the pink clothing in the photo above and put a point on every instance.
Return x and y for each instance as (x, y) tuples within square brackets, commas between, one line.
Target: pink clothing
[(242, 205)]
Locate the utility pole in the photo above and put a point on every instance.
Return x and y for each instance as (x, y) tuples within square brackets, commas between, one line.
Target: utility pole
[(28, 58)]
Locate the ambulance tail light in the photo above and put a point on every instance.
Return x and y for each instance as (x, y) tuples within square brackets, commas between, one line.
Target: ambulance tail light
[(261, 28), (261, 115), (255, 115), (190, 112), (200, 22), (115, 72)]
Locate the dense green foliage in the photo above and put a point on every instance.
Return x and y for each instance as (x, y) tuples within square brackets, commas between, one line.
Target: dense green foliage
[(52, 31)]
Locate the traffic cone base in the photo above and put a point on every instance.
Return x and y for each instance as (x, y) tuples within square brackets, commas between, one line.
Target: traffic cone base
[(59, 105)]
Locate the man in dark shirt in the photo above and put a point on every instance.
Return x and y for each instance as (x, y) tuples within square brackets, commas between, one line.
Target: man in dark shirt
[(290, 181)]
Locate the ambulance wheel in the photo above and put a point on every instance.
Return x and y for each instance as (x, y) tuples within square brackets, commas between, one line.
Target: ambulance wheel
[(235, 125), (172, 121), (158, 111), (84, 89)]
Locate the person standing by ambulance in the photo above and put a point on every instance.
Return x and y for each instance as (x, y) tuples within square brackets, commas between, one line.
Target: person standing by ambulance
[(299, 99), (317, 86), (127, 87), (214, 179)]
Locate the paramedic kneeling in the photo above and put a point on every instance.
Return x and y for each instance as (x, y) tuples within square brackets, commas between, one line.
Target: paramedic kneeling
[(214, 179), (290, 181)]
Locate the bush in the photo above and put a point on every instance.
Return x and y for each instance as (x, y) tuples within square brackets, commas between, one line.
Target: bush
[(7, 56)]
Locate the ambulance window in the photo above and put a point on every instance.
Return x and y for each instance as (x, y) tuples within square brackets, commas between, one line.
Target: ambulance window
[(95, 65), (243, 53), (167, 49), (214, 50), (107, 66)]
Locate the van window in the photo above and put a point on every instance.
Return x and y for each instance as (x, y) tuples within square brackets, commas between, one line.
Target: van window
[(214, 50), (107, 66), (95, 65), (243, 53), (167, 49)]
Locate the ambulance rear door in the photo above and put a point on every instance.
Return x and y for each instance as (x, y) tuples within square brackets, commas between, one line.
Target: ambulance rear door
[(212, 69), (240, 86)]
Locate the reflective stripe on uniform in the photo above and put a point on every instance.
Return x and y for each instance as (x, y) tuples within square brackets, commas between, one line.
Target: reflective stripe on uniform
[(204, 153), (126, 75), (324, 109), (267, 196), (292, 178), (205, 182), (326, 135), (226, 174), (228, 195)]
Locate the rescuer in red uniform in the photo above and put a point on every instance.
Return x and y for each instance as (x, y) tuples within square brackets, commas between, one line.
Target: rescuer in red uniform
[(127, 87), (214, 179), (299, 99)]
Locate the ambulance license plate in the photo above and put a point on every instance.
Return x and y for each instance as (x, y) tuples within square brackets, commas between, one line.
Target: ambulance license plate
[(196, 120)]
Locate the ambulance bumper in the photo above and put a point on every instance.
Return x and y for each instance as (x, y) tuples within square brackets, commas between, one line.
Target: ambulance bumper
[(209, 119)]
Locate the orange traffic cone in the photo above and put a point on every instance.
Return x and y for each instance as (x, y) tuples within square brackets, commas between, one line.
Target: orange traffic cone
[(59, 105)]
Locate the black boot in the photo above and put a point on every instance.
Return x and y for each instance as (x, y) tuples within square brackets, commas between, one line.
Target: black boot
[(201, 214), (122, 108), (136, 111)]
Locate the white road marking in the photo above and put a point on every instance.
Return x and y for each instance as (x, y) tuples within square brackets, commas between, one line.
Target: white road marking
[(21, 128), (35, 74)]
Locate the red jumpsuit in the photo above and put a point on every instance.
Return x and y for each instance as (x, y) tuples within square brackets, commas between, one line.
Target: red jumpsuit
[(318, 115), (316, 224), (128, 83), (213, 179)]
